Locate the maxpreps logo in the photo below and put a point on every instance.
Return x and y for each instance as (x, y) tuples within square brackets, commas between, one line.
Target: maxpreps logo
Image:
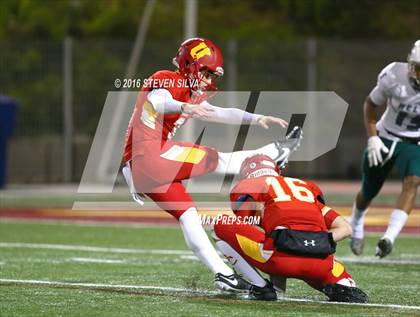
[(103, 164)]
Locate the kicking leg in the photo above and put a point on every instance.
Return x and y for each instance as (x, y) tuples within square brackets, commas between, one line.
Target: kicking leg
[(279, 151), (198, 241)]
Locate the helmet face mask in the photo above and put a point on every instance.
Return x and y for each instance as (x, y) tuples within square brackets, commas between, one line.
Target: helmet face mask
[(200, 61), (207, 80), (414, 65)]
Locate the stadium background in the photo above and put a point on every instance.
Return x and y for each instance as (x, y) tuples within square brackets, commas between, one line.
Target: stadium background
[(268, 45)]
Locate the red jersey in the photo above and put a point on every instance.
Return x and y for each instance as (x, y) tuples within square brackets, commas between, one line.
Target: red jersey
[(146, 124), (288, 202)]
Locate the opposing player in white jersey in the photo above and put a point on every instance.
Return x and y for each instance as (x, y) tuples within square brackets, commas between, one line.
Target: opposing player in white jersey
[(393, 140)]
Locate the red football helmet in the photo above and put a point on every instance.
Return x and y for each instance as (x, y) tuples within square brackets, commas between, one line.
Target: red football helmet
[(258, 165), (197, 55)]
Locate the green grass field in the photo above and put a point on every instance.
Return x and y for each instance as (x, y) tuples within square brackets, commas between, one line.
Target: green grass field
[(99, 270)]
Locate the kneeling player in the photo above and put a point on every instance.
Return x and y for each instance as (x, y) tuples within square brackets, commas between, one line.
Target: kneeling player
[(298, 237)]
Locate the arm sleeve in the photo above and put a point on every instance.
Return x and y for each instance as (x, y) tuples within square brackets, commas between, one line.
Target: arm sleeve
[(163, 102), (386, 82), (231, 115)]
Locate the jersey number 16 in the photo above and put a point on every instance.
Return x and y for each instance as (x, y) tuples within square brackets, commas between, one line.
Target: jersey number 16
[(297, 191)]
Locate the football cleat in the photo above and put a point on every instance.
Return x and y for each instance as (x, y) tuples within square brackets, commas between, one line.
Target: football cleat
[(356, 245), (263, 293), (383, 248), (231, 283), (288, 145), (341, 293)]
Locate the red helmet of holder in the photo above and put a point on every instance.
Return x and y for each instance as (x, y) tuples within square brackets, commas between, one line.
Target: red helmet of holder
[(198, 54), (258, 165)]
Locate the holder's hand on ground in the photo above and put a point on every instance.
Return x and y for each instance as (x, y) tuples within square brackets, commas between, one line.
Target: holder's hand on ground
[(265, 121), (375, 147), (197, 111)]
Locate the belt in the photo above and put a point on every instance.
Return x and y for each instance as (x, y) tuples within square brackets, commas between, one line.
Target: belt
[(274, 232), (404, 138)]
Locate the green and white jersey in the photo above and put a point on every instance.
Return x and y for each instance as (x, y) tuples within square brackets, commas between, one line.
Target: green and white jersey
[(402, 115)]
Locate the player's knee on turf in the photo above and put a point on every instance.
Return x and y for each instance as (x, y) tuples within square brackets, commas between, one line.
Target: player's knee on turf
[(347, 281), (342, 288)]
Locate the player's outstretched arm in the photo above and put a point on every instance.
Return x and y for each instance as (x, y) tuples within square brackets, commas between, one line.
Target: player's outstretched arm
[(203, 112), (238, 116), (163, 102), (266, 121)]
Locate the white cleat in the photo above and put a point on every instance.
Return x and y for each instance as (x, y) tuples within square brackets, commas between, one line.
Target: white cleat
[(288, 146)]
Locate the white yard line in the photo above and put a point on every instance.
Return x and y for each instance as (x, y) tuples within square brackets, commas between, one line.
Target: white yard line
[(98, 286), (68, 247), (94, 260), (88, 223), (185, 254), (182, 290), (350, 304), (376, 260), (191, 258), (84, 260)]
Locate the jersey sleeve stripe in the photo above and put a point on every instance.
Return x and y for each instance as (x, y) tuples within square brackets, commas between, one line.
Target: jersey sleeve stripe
[(325, 210)]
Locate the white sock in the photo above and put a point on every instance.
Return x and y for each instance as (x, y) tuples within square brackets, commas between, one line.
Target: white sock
[(396, 223), (270, 150), (230, 163), (240, 264), (198, 241), (357, 222)]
